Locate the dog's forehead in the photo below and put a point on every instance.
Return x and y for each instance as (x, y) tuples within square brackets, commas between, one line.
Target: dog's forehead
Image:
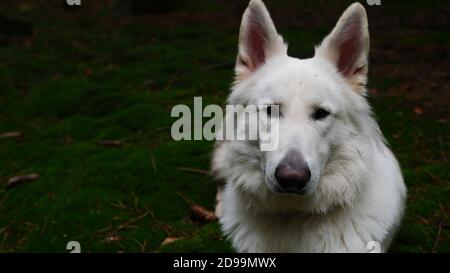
[(296, 79), (289, 80)]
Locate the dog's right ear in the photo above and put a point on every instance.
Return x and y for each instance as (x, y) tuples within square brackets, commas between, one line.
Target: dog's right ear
[(258, 40), (347, 46)]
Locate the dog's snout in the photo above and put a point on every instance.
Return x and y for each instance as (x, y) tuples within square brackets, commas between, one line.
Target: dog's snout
[(292, 180), (293, 173)]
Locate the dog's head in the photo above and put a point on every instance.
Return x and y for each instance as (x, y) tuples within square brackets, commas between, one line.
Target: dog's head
[(324, 119)]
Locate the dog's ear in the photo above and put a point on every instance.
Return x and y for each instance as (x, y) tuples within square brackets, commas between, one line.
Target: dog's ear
[(258, 40), (347, 46)]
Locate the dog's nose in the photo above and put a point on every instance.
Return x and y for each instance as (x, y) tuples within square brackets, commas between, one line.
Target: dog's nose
[(293, 173)]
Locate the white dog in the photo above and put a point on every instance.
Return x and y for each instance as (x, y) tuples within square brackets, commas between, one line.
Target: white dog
[(332, 185)]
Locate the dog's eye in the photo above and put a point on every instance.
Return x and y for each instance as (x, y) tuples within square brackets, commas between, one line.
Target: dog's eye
[(320, 114)]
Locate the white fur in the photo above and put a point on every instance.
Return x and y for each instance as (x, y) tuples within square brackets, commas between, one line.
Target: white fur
[(356, 193)]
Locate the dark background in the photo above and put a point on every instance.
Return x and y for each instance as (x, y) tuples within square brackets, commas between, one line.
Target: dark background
[(85, 100)]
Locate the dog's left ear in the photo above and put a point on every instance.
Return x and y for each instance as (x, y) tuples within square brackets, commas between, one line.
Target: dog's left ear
[(347, 46)]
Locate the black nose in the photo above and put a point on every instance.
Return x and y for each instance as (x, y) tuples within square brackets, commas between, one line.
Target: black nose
[(293, 173)]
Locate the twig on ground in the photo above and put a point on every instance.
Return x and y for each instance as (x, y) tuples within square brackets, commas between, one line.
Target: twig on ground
[(165, 227), (5, 236), (185, 199), (438, 235), (153, 164), (194, 170), (44, 226), (202, 214), (125, 225), (111, 143), (132, 221), (142, 245)]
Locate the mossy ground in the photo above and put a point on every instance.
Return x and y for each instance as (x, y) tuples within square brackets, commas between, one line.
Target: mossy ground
[(84, 76)]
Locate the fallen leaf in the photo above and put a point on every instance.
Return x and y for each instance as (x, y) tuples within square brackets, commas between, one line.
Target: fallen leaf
[(12, 134), (14, 181), (443, 120), (418, 111), (423, 220), (113, 239), (169, 240), (202, 214)]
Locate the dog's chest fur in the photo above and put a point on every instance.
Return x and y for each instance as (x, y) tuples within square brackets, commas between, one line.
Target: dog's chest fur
[(341, 230)]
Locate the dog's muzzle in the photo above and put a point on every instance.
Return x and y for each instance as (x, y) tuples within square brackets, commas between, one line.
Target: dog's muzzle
[(293, 173)]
